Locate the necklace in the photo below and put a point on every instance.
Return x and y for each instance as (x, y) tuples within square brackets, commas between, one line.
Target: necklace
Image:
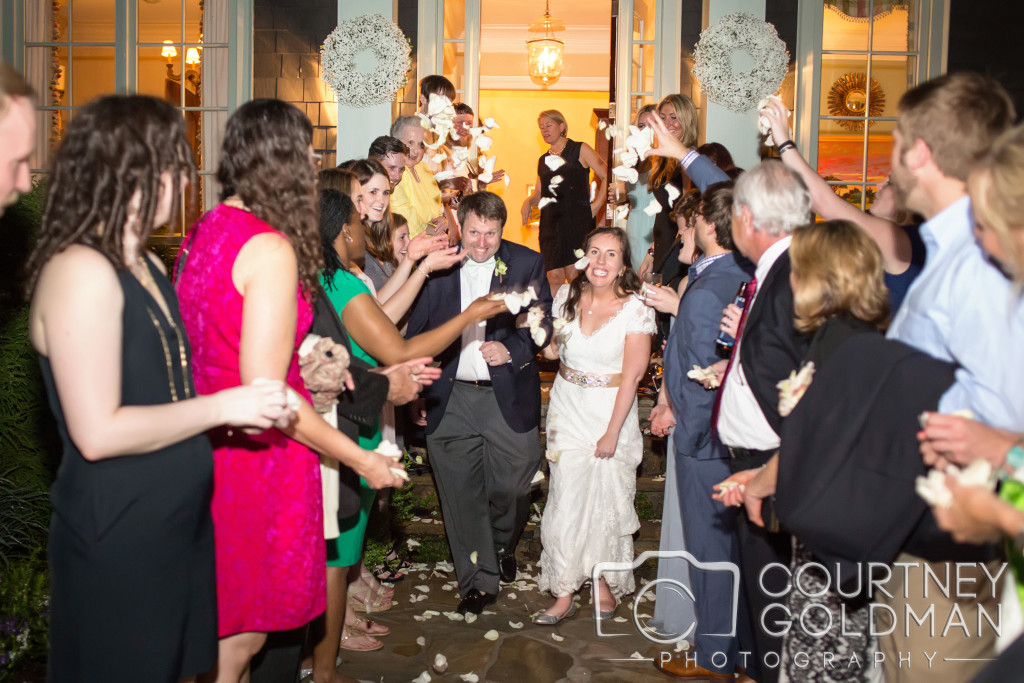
[(151, 287), (551, 150)]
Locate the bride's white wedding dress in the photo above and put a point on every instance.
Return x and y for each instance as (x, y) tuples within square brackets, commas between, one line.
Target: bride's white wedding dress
[(589, 515)]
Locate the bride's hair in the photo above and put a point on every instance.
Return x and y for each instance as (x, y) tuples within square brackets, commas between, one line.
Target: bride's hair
[(625, 284)]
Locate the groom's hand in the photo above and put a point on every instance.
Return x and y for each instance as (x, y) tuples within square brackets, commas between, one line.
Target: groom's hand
[(495, 353)]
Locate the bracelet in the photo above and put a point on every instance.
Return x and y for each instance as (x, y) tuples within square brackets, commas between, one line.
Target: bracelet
[(786, 145), (419, 267), (650, 250), (1015, 456)]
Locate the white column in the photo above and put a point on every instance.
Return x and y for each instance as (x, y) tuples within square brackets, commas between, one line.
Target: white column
[(738, 132), (358, 126)]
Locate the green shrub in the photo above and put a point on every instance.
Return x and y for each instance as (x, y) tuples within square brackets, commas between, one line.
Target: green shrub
[(24, 613)]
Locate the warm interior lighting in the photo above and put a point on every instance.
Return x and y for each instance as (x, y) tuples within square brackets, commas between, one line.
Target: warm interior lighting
[(192, 56), (545, 54), (168, 50)]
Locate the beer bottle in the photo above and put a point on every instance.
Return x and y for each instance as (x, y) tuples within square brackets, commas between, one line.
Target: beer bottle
[(724, 342)]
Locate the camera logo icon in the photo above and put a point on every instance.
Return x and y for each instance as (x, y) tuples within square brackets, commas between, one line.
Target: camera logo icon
[(674, 586)]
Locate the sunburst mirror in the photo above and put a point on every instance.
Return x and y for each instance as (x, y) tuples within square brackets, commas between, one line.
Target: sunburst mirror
[(850, 96)]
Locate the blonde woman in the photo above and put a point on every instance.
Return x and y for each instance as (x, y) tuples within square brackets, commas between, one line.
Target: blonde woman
[(565, 221)]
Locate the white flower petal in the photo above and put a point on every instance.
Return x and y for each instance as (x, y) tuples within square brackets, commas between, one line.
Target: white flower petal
[(653, 208), (439, 157), (630, 175), (620, 620), (515, 624), (485, 177), (582, 263), (538, 336), (470, 677), (673, 193), (508, 180), (511, 596), (621, 211), (593, 189), (555, 181), (629, 159), (636, 655), (484, 143), (557, 638), (440, 663), (422, 678), (470, 617), (491, 635), (444, 175), (554, 162), (472, 557), (544, 201), (491, 123), (602, 124), (423, 589), (421, 641)]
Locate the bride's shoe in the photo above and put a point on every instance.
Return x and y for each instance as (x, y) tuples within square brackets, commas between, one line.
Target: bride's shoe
[(606, 613), (545, 619)]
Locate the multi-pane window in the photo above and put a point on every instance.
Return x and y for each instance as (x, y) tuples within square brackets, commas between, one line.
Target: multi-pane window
[(176, 50), (869, 58)]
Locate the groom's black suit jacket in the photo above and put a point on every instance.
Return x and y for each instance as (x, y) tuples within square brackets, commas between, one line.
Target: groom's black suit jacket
[(516, 384)]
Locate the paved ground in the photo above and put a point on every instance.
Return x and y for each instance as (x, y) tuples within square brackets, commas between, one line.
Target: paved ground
[(571, 651)]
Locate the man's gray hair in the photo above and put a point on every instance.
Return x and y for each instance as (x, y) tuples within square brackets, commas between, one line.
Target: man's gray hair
[(403, 122), (776, 196)]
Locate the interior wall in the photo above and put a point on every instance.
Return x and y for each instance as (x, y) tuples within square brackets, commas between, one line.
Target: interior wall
[(518, 144)]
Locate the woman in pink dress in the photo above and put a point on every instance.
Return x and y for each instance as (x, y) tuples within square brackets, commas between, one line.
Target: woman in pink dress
[(244, 282)]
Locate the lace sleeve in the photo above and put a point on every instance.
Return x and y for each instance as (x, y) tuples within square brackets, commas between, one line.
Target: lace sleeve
[(558, 303), (639, 319)]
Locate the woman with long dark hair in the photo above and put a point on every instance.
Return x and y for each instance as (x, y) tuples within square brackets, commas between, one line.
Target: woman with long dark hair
[(604, 345), (247, 276), (132, 587)]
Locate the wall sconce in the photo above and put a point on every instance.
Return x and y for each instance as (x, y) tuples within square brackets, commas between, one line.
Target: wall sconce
[(169, 52), (545, 54), (192, 56), (192, 61)]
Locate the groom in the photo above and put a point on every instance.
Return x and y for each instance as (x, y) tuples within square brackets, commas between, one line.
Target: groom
[(483, 414)]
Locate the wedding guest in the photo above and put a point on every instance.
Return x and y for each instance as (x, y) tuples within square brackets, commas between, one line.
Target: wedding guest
[(434, 84), (639, 225), (418, 196), (131, 540), (844, 426), (901, 246), (976, 515), (483, 414), (571, 208), (675, 128), (594, 443), (391, 153), (247, 273), (769, 202), (699, 459), (17, 135), (956, 310)]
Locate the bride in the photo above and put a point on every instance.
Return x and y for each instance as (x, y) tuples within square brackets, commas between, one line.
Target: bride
[(593, 433)]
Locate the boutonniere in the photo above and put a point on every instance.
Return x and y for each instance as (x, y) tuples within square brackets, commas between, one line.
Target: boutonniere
[(792, 389), (500, 267)]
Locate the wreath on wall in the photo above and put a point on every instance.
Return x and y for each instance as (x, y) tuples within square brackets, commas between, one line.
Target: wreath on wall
[(740, 91), (373, 33)]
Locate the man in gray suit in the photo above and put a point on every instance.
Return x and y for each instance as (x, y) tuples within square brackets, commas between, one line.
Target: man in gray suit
[(701, 460)]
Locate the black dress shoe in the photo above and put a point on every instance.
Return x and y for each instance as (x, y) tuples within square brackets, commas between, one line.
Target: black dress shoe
[(507, 568), (475, 601)]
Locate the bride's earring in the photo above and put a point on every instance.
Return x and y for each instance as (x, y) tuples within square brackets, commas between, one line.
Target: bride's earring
[(348, 237)]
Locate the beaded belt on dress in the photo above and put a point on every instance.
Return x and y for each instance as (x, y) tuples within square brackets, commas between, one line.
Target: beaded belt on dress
[(589, 379)]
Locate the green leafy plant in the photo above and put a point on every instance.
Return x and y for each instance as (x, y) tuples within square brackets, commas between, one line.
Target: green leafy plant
[(24, 613), (644, 507)]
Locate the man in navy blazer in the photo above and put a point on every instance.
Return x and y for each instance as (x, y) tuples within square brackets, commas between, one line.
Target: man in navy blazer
[(483, 415), (701, 460)]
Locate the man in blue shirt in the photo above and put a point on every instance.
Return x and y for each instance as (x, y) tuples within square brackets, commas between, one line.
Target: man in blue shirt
[(960, 309)]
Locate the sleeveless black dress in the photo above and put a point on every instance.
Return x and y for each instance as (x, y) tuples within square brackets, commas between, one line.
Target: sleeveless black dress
[(132, 578), (564, 223)]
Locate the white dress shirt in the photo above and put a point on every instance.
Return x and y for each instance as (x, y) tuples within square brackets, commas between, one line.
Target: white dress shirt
[(741, 424), (475, 282), (963, 310)]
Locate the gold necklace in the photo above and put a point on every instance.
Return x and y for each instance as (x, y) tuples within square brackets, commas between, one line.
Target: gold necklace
[(163, 338), (551, 150)]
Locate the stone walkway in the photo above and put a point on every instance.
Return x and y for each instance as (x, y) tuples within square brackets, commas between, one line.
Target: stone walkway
[(520, 652)]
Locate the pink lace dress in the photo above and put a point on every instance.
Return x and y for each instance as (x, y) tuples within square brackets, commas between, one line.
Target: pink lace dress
[(267, 510)]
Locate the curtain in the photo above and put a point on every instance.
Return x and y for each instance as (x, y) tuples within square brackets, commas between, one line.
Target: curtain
[(216, 23)]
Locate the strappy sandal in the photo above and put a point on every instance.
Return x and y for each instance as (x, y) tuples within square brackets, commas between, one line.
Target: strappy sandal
[(367, 627), (357, 641), (362, 598), (386, 572), (393, 558)]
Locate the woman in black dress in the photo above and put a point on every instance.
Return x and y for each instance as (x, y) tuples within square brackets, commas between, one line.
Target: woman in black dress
[(131, 540), (567, 210)]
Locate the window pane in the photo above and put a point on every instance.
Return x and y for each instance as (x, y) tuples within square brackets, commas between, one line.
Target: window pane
[(158, 74), (844, 25), (643, 19), (843, 89), (454, 55), (642, 73), (46, 70), (92, 69), (194, 22), (159, 21), (45, 21), (880, 150), (895, 26), (894, 75), (92, 22), (841, 157), (455, 19)]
